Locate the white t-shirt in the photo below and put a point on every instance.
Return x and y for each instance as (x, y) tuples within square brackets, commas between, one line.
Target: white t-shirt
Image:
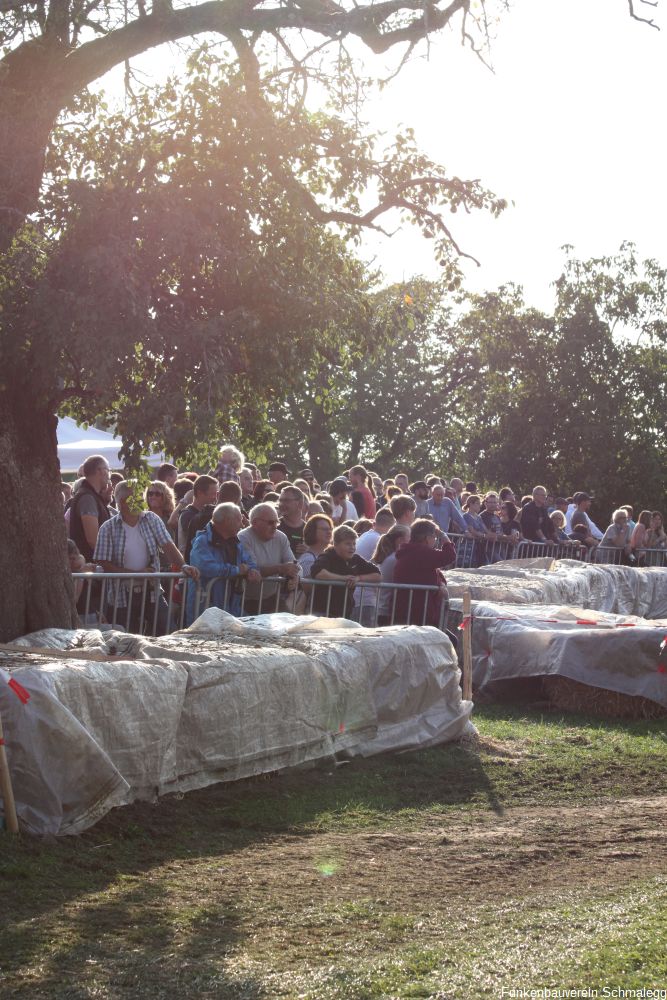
[(367, 543), (135, 556), (350, 512), (367, 596), (593, 528), (387, 567)]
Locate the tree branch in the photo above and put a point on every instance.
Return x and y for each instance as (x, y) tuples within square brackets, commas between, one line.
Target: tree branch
[(225, 17), (644, 20)]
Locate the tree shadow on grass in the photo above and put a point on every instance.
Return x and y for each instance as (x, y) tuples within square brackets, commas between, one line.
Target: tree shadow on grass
[(42, 873), (125, 860), (130, 940)]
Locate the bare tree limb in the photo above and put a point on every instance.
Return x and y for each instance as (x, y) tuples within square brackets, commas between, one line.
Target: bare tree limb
[(644, 20), (96, 57)]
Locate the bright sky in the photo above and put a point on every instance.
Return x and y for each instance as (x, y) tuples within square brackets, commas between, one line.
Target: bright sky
[(570, 128)]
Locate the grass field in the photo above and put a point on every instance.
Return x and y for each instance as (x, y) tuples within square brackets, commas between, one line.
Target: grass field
[(533, 858)]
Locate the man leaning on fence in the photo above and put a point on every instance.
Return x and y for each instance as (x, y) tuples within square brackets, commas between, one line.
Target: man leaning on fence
[(536, 525), (219, 555), (272, 555), (131, 542)]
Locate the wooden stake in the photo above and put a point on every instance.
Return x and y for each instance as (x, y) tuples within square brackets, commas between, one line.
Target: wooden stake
[(467, 647), (6, 790)]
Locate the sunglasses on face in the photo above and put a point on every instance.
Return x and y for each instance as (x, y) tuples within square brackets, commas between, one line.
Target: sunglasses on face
[(154, 493)]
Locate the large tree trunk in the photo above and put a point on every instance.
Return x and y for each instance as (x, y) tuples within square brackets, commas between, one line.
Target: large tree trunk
[(36, 589), (321, 447), (30, 102)]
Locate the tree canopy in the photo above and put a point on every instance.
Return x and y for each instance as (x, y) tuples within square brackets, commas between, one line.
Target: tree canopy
[(175, 280), (488, 387), (53, 50)]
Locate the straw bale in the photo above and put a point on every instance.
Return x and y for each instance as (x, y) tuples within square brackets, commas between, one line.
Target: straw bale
[(573, 696)]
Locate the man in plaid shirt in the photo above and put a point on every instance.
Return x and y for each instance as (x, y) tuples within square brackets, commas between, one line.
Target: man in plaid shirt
[(131, 542)]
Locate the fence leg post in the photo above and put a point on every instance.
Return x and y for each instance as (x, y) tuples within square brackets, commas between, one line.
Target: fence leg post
[(467, 647), (6, 789)]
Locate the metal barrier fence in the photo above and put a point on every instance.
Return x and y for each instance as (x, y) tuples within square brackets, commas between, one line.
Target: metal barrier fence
[(158, 603), (472, 553), (640, 557), (146, 603)]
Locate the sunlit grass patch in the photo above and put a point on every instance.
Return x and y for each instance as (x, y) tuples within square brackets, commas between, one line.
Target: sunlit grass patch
[(188, 897), (566, 939)]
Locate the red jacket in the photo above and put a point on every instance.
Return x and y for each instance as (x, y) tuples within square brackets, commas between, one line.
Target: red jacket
[(417, 563), (367, 504)]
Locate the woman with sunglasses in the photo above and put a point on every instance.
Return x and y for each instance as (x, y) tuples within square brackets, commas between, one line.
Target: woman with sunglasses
[(160, 499)]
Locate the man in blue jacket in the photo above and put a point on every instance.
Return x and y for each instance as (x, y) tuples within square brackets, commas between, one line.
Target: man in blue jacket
[(219, 555), (444, 511)]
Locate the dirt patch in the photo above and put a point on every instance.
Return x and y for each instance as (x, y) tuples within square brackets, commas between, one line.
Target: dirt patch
[(226, 918), (520, 852)]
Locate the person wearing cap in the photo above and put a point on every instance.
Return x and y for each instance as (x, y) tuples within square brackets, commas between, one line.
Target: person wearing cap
[(577, 513), (309, 476), (420, 492), (278, 472)]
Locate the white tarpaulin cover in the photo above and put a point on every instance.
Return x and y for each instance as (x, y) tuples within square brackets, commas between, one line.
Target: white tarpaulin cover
[(619, 589), (552, 603), (614, 652), (225, 699)]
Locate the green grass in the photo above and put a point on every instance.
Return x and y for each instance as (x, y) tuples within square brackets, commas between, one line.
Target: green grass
[(550, 759), (187, 898), (608, 939)]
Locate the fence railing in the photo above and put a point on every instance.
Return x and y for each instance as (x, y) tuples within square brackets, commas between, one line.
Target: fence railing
[(160, 603), (472, 553), (147, 603), (638, 557)]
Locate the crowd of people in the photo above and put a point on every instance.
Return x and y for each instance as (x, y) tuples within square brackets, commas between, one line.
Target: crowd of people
[(232, 529)]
